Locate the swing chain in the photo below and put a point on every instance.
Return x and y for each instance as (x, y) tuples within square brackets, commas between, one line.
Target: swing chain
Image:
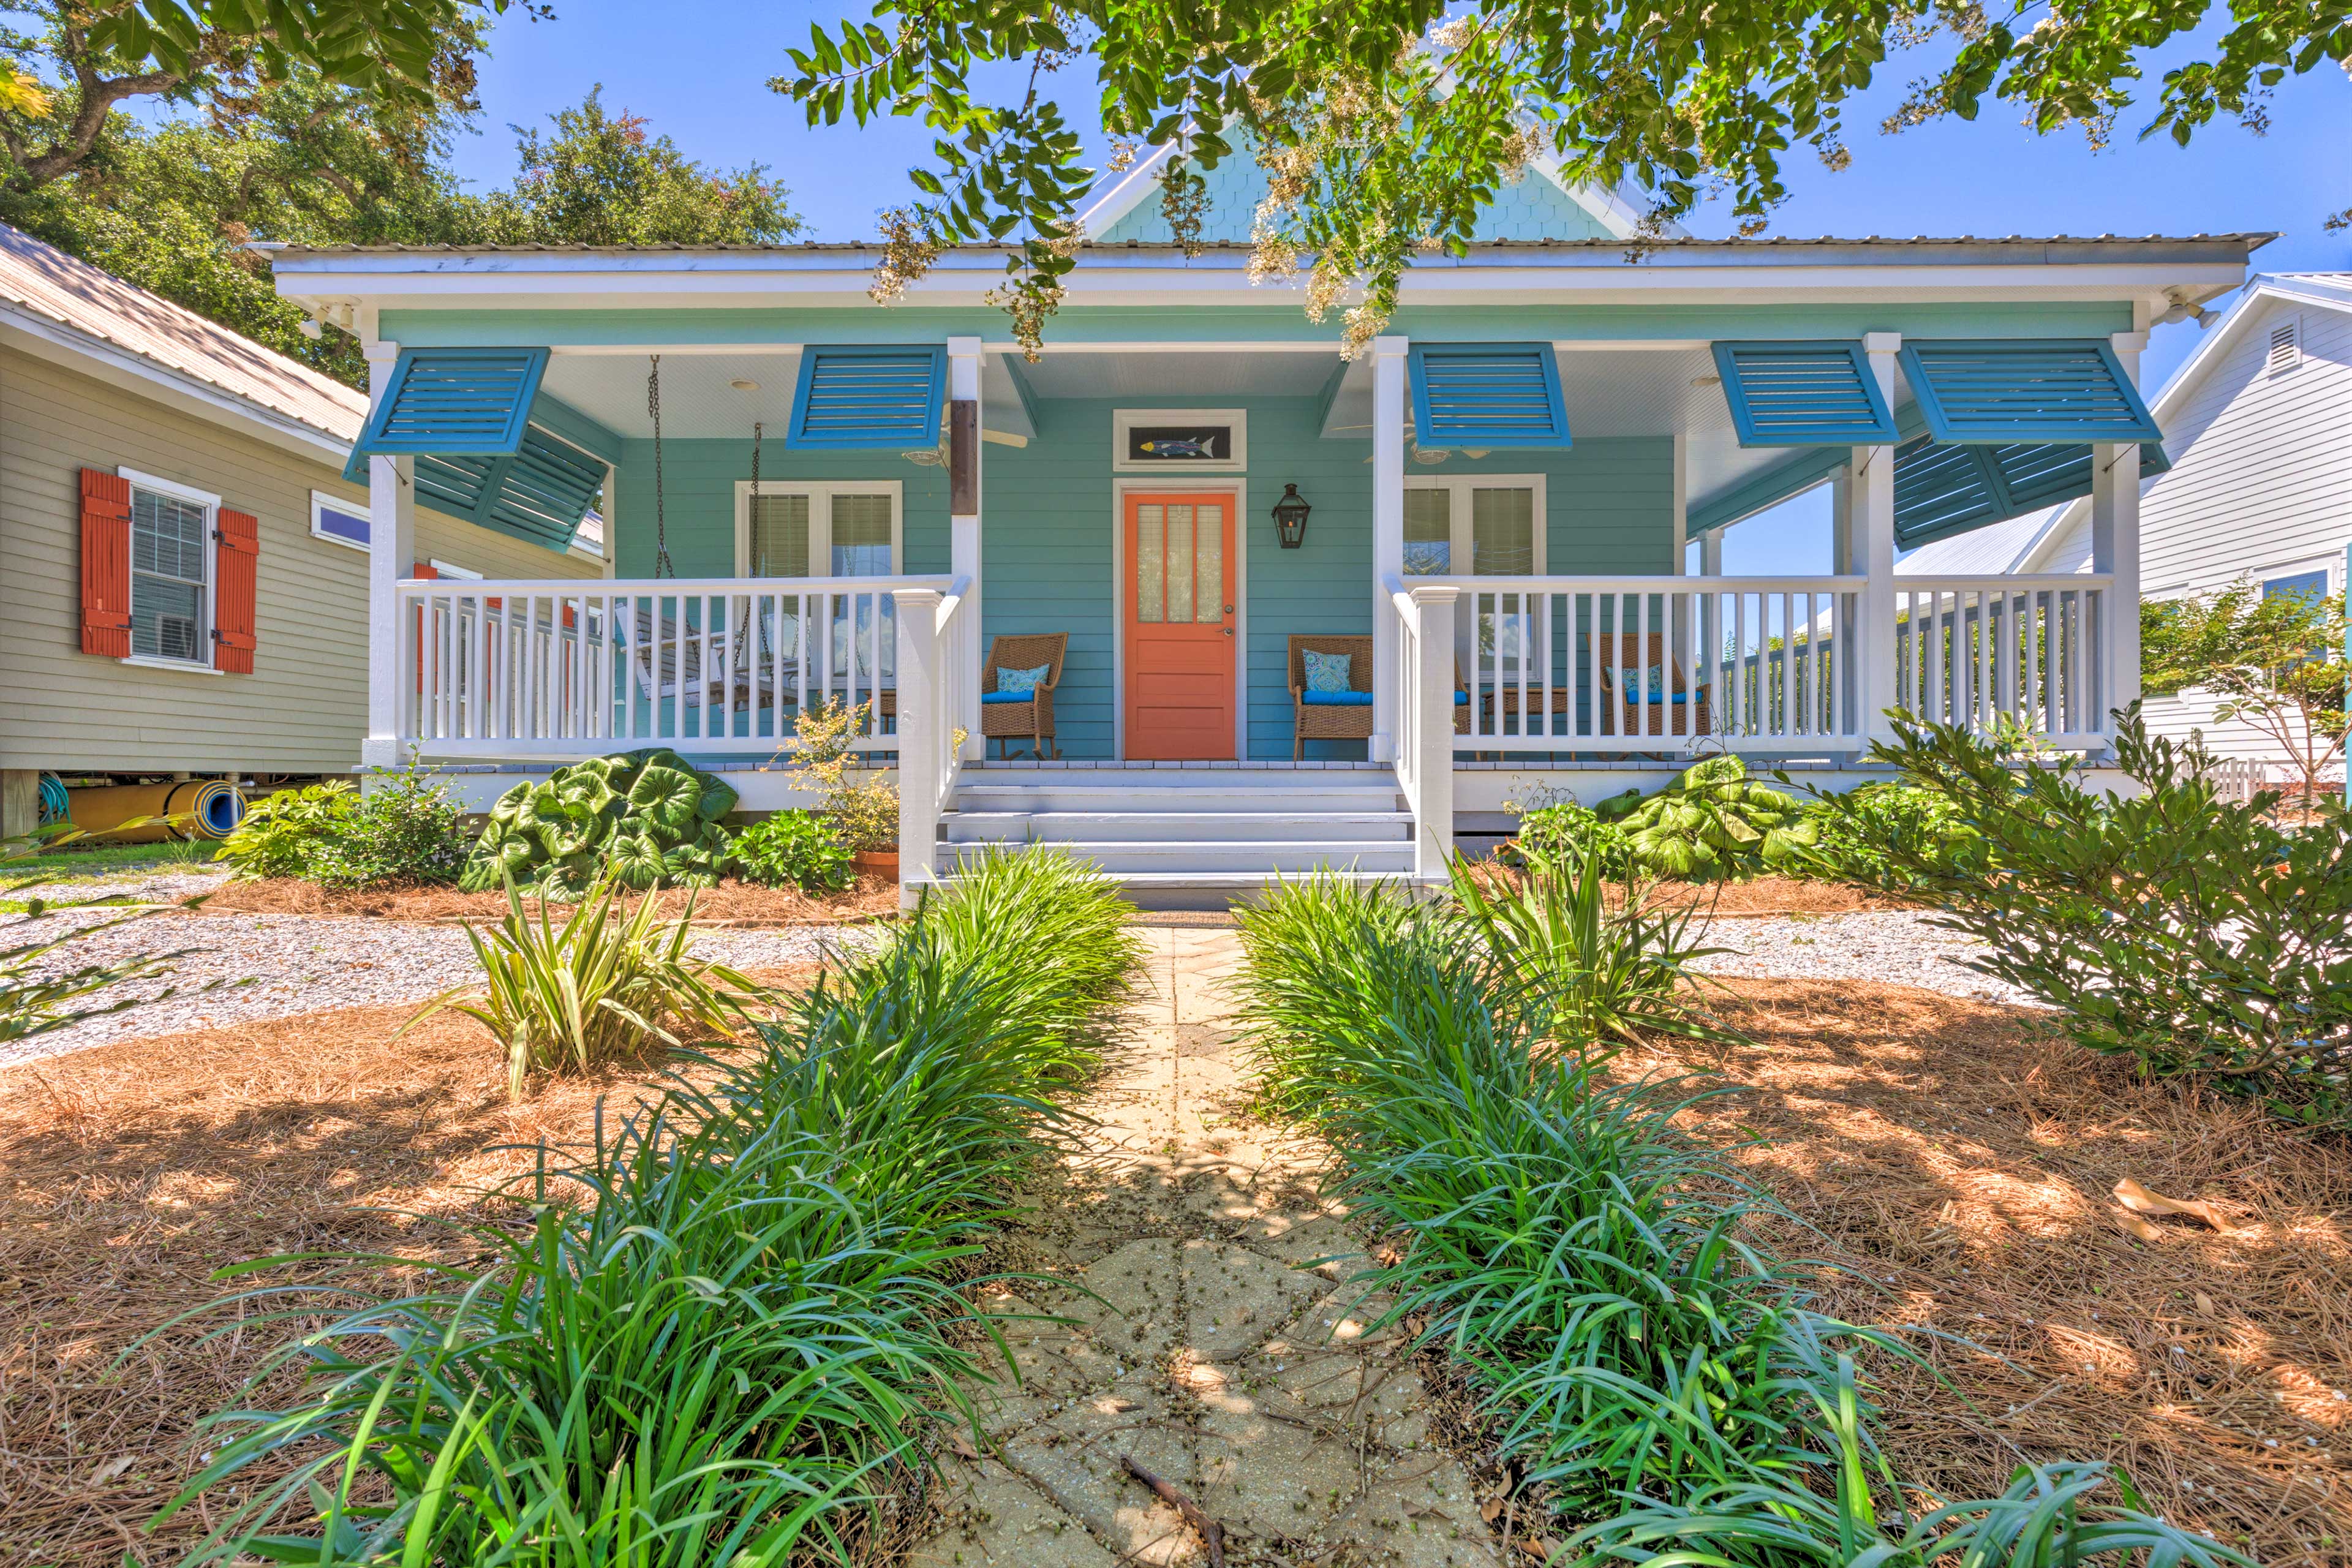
[(662, 567)]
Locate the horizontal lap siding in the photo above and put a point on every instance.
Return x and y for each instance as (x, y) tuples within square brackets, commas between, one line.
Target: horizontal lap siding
[(1045, 559), (2262, 482), (303, 709)]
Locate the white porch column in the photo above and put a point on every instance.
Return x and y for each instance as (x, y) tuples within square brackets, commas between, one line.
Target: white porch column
[(1433, 762), (963, 528), (920, 667), (392, 550), (1388, 536), (1710, 662), (1871, 538), (2115, 552)]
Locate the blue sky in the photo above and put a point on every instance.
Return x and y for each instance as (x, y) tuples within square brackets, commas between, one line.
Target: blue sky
[(700, 74)]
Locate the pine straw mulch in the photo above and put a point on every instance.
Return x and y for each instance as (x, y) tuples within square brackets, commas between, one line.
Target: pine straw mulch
[(130, 1171), (1964, 1159), (732, 902)]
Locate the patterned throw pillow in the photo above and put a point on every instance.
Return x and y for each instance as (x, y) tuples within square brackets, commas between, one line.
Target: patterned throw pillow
[(1020, 682), (1326, 672)]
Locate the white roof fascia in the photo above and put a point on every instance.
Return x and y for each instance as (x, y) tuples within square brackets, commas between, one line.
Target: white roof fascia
[(61, 344), (1128, 195)]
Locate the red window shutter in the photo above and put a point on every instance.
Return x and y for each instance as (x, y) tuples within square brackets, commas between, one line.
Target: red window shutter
[(236, 554), (424, 570), (105, 564)]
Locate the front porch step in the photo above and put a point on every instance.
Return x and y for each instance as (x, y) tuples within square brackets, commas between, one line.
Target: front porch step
[(1126, 857), (1170, 890), (1379, 794), (1289, 827)]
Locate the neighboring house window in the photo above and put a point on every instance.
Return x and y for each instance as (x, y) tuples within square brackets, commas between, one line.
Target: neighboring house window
[(2287, 347), (171, 571), (803, 530), (345, 522), (2309, 584)]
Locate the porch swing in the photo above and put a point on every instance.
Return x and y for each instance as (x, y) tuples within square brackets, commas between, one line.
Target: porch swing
[(673, 660)]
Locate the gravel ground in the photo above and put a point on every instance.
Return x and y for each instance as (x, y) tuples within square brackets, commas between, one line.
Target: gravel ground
[(1899, 948), (166, 885), (272, 965)]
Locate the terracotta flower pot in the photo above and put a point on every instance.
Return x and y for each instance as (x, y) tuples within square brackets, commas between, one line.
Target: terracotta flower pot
[(876, 862)]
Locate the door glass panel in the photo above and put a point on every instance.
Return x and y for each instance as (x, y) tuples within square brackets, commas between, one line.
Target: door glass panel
[(1151, 564), (1503, 533), (861, 536), (1209, 568), (780, 536), (1180, 563), (1428, 533)]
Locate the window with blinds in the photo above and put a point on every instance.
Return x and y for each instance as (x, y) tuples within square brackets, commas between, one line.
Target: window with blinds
[(803, 530), (170, 550), (1428, 532), (1474, 526)]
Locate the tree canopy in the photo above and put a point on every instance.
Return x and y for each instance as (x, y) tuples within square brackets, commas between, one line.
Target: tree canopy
[(2267, 658), (1386, 126), (172, 207)]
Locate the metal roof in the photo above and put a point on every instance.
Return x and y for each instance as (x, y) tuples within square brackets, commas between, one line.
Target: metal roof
[(1688, 242), (43, 281)]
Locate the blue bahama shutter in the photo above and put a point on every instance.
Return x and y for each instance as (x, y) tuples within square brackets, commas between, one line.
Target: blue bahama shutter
[(1999, 393), (1941, 490), (543, 491), (1486, 394), (454, 402), (1803, 394), (865, 398)]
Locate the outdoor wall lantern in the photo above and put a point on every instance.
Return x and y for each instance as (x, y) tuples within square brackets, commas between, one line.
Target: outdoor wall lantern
[(1290, 518)]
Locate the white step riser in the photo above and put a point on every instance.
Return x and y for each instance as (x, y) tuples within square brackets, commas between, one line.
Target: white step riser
[(1198, 827), (1241, 859), (1158, 802)]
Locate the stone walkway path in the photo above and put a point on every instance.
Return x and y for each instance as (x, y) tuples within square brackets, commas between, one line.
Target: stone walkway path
[(1217, 1349)]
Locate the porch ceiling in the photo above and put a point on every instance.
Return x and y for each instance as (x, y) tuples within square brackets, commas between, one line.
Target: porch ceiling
[(721, 395)]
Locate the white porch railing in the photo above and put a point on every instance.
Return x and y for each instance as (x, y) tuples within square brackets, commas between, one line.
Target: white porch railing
[(935, 685), (564, 667), (1980, 651), (1658, 664), (1425, 720)]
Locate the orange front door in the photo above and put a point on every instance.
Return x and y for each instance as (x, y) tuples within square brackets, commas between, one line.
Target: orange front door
[(1178, 614)]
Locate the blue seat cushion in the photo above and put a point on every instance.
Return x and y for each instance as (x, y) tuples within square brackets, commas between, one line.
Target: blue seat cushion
[(1336, 699), (1461, 699), (1655, 699), (1008, 697)]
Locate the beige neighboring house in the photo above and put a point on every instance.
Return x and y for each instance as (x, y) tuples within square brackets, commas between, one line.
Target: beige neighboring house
[(150, 455)]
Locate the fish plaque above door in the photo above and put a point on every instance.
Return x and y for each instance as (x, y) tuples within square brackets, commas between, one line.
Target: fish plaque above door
[(1158, 441)]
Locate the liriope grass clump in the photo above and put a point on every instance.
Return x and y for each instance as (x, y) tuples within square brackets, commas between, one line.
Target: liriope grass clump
[(1657, 1376), (728, 1352)]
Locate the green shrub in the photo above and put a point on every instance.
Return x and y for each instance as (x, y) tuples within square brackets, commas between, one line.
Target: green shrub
[(1869, 834), (795, 849), (646, 819), (1562, 828), (281, 831), (1604, 961), (2191, 935), (719, 1358), (404, 829), (1712, 824), (599, 989), (1658, 1378)]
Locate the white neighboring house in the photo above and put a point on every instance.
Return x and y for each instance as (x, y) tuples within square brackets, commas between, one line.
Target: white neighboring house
[(2258, 425)]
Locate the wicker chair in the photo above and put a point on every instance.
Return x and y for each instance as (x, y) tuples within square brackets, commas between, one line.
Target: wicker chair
[(1664, 715), (1035, 717), (1327, 721)]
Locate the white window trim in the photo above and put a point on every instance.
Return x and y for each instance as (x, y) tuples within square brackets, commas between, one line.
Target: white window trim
[(321, 502), (461, 573), (820, 494), (1122, 420), (211, 505), (1457, 512), (2331, 566)]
